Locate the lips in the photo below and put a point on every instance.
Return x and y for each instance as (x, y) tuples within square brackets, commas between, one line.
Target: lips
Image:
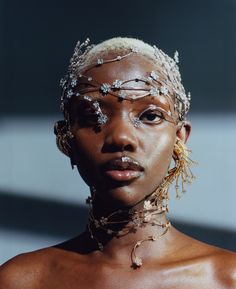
[(123, 169)]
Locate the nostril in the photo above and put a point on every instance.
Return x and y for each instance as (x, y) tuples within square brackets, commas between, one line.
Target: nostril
[(112, 148), (109, 148), (128, 147), (120, 138)]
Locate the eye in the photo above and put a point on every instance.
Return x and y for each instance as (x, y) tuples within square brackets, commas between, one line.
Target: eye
[(151, 116), (88, 117), (86, 114)]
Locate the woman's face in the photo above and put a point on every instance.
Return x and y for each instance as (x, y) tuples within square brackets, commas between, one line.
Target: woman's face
[(147, 147)]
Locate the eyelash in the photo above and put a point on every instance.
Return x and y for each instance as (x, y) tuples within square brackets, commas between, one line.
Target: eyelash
[(153, 112), (87, 116)]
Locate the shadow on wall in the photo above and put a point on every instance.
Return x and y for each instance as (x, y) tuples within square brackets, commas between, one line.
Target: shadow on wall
[(58, 219)]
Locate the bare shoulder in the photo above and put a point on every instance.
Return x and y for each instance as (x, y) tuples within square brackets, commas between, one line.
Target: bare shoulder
[(224, 264), (218, 264), (26, 270), (215, 267)]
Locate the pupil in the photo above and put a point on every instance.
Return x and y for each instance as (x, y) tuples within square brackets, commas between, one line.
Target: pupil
[(151, 116)]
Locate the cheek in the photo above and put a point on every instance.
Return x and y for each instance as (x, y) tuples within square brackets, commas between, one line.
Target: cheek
[(86, 151), (164, 147), (154, 152), (159, 154)]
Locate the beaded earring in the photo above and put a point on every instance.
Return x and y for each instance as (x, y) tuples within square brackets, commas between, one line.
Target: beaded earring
[(181, 173), (63, 138)]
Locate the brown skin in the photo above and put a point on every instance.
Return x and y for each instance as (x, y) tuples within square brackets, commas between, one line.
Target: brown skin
[(174, 261)]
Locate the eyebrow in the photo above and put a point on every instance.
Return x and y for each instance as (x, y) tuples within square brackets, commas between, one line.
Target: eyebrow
[(144, 100), (151, 99)]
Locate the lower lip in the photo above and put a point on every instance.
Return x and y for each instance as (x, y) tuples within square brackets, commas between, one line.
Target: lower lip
[(126, 175)]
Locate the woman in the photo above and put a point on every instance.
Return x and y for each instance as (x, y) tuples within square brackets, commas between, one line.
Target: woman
[(124, 122)]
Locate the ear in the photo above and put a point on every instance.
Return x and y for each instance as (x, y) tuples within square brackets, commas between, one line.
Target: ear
[(183, 130), (73, 155)]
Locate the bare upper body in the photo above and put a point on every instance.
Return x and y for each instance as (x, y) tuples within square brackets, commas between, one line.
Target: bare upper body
[(189, 264), (107, 131)]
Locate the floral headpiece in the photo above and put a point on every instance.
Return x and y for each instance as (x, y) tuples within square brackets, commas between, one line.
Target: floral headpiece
[(170, 85)]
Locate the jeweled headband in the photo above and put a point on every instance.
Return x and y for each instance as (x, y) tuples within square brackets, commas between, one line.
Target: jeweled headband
[(164, 80)]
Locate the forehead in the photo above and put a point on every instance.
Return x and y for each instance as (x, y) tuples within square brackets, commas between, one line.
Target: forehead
[(128, 70), (133, 66)]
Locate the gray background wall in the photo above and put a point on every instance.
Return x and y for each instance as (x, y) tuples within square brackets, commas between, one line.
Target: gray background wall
[(41, 199)]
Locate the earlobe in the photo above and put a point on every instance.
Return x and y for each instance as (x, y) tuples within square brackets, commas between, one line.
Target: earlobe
[(64, 139), (73, 156), (184, 130)]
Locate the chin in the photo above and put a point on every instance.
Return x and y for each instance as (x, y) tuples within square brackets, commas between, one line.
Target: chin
[(121, 197)]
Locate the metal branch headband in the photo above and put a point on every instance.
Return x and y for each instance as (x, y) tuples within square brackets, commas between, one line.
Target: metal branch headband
[(171, 86)]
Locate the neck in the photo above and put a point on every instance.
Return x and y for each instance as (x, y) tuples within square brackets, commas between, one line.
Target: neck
[(127, 229)]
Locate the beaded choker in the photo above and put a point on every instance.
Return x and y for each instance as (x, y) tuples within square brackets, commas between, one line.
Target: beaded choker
[(131, 219)]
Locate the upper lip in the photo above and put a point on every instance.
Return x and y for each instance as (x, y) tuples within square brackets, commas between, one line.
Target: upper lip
[(122, 164)]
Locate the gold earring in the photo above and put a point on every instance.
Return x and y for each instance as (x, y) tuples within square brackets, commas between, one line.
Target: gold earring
[(63, 138), (181, 171)]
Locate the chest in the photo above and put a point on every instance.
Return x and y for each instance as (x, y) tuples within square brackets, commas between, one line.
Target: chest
[(97, 277)]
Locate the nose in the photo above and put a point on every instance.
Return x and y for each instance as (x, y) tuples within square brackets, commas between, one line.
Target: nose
[(120, 137)]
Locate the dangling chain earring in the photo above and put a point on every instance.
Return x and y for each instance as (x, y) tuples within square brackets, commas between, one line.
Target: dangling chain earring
[(182, 171), (64, 137)]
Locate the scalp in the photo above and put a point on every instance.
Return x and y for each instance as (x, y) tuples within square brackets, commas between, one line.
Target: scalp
[(120, 45)]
